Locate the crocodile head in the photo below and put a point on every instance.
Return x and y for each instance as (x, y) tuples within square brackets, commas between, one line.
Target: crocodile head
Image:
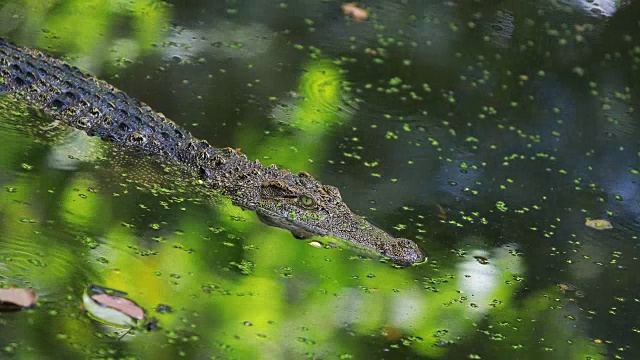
[(302, 205)]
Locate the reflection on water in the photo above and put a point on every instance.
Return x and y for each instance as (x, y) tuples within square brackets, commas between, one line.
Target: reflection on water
[(488, 132)]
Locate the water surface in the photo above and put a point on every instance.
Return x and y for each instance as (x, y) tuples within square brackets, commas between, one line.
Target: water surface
[(488, 133)]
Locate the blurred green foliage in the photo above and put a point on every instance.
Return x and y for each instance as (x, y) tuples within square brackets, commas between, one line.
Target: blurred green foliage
[(239, 289)]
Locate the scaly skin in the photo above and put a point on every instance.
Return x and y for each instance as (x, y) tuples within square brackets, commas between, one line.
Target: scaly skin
[(296, 202)]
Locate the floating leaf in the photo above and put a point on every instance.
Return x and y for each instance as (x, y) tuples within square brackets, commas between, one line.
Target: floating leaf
[(12, 299), (111, 307), (357, 13), (599, 224)]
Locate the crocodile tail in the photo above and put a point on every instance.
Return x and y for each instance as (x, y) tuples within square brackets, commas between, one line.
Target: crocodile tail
[(80, 100)]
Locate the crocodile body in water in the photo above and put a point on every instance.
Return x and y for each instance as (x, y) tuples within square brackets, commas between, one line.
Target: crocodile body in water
[(296, 202)]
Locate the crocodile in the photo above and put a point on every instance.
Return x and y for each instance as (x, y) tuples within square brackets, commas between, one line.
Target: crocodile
[(293, 201)]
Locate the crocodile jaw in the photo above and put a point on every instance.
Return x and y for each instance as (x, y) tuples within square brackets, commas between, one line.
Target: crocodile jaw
[(349, 227)]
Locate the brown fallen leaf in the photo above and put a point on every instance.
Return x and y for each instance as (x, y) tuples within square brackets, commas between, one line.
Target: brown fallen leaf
[(111, 307), (17, 298), (599, 224), (121, 304), (357, 13)]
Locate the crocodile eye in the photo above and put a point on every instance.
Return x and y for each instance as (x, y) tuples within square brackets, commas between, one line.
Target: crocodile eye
[(306, 201)]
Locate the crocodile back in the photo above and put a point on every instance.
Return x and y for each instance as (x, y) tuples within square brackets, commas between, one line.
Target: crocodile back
[(80, 100)]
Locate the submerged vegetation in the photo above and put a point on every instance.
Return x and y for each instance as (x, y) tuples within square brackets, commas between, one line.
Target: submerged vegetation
[(501, 136)]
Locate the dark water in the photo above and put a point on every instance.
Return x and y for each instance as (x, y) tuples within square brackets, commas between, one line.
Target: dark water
[(488, 132)]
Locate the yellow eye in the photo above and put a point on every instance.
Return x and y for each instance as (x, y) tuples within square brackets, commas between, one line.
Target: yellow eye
[(306, 200)]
